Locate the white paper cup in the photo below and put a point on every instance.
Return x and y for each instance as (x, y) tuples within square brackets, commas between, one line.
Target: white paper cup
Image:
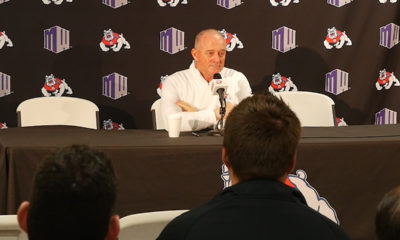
[(174, 125)]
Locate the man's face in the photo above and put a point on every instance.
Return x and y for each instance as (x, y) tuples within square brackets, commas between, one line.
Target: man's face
[(209, 54)]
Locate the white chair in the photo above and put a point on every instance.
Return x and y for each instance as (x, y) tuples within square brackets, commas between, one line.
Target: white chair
[(146, 226), (312, 109), (69, 111), (158, 123), (9, 228)]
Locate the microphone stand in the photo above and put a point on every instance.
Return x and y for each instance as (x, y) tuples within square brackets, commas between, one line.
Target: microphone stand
[(222, 110)]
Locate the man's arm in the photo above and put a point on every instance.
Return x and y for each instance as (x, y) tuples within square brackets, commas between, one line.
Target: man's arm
[(244, 88), (186, 107), (191, 120)]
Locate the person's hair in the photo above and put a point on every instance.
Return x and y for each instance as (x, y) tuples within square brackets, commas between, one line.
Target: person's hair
[(261, 137), (387, 220), (201, 33), (73, 196)]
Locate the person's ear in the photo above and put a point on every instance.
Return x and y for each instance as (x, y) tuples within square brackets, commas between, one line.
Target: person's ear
[(225, 158), (113, 228), (194, 53), (22, 215)]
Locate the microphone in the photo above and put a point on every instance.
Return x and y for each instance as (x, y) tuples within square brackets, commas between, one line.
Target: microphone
[(219, 87)]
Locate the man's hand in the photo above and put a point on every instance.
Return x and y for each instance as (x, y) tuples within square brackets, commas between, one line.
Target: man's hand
[(229, 107), (186, 107)]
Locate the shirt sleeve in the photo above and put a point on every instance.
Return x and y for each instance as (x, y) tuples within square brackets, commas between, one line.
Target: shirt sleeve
[(191, 121), (244, 88)]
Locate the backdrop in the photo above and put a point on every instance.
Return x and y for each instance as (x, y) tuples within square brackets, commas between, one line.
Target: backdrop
[(115, 52)]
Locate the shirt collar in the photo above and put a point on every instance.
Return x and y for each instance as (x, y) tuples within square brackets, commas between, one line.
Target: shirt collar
[(267, 188)]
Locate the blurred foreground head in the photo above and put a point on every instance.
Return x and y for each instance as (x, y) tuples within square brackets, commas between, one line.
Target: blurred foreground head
[(73, 197), (261, 139), (387, 221)]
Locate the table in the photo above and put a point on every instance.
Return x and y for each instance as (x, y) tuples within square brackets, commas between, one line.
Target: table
[(352, 167)]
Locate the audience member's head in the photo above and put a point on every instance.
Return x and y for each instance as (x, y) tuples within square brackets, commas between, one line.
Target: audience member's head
[(261, 138), (73, 197), (387, 221)]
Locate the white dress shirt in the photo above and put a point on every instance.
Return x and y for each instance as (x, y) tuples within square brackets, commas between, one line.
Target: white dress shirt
[(190, 86)]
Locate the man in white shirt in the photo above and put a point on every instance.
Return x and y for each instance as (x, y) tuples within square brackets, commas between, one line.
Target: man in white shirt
[(188, 92)]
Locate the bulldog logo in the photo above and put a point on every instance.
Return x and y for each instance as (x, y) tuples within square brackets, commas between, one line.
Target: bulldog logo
[(3, 125), (4, 40), (159, 89), (232, 41), (386, 80), (311, 195), (225, 176), (171, 3), (336, 38), (56, 2), (340, 122), (114, 41), (282, 2), (55, 87), (112, 126), (281, 84)]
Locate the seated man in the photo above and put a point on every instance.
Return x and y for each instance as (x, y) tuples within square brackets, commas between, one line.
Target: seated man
[(387, 220), (259, 150), (73, 197), (189, 91)]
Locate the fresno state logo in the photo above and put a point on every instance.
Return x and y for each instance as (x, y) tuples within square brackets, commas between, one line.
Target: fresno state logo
[(225, 176), (281, 84), (162, 79), (55, 87), (336, 38), (386, 80), (114, 41), (172, 3), (384, 1), (282, 2), (3, 125), (339, 122), (298, 182), (232, 40), (112, 126), (4, 40), (311, 195), (56, 2)]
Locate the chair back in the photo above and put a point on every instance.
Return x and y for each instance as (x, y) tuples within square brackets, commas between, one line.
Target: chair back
[(312, 109), (68, 111), (146, 226), (9, 228), (158, 123)]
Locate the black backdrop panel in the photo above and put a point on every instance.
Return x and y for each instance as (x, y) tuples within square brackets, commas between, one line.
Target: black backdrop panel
[(84, 64)]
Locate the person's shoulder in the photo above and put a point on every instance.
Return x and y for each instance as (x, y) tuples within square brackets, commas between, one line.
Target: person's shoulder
[(182, 75), (181, 225), (176, 79), (322, 223), (176, 229), (178, 74), (229, 72)]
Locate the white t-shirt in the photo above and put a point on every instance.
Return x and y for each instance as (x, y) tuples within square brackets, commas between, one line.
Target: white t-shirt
[(190, 86)]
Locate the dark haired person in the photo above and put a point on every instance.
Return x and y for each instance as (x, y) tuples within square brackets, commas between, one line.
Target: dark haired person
[(72, 199), (188, 92), (259, 149), (387, 220)]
